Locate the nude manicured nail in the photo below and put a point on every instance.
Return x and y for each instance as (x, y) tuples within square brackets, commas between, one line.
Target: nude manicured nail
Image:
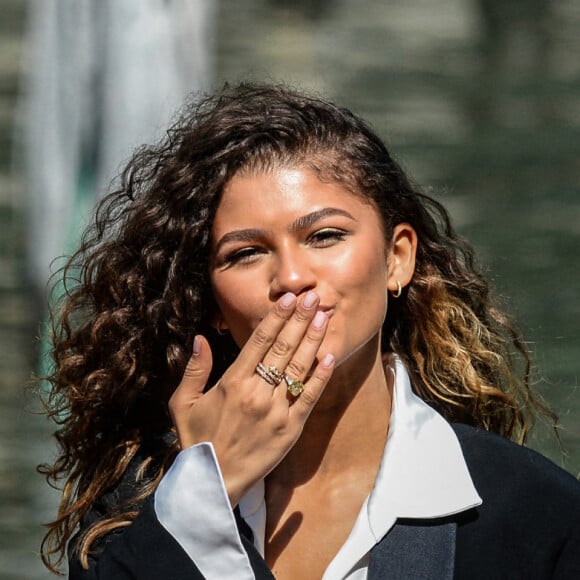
[(309, 299), (196, 345), (287, 300), (319, 320), (327, 361)]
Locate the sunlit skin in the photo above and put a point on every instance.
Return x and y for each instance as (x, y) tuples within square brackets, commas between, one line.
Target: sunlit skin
[(286, 231), (281, 240)]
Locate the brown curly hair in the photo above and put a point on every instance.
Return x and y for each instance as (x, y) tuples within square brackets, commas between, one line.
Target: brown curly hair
[(137, 292)]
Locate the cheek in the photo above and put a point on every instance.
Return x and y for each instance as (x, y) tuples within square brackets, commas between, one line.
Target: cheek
[(236, 304), (239, 307), (363, 268), (365, 289)]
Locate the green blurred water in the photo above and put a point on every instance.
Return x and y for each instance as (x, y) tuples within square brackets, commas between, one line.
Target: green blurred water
[(481, 102)]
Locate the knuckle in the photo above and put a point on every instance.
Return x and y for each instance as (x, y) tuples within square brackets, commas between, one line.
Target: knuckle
[(280, 429), (318, 379), (309, 397), (282, 313), (221, 387), (296, 368), (261, 338), (172, 405), (279, 423), (251, 406), (302, 316), (281, 347), (177, 398), (192, 372), (313, 337)]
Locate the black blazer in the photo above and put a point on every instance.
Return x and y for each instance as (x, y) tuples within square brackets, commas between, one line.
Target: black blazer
[(528, 527)]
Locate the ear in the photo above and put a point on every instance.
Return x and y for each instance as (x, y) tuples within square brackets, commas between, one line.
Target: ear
[(401, 259), (217, 321)]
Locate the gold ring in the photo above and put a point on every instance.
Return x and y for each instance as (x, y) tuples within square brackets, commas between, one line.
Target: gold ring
[(275, 374), (263, 372), (295, 387), (270, 374)]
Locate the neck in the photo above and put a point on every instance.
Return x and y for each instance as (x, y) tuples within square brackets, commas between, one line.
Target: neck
[(347, 429)]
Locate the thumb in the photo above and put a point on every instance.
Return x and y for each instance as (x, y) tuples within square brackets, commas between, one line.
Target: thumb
[(195, 375)]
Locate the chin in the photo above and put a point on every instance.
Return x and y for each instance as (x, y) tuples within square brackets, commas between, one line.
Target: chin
[(343, 353)]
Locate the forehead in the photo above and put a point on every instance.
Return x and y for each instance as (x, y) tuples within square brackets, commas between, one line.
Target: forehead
[(284, 194)]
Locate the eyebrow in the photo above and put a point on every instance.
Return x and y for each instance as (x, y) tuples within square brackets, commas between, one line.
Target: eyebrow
[(297, 225), (308, 220)]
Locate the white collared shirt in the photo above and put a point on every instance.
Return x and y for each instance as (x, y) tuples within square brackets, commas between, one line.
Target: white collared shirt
[(422, 475)]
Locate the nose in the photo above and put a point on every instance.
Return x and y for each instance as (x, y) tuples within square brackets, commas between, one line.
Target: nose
[(291, 272)]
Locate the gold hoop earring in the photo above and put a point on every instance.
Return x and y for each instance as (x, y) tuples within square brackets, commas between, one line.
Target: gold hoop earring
[(221, 331), (399, 291)]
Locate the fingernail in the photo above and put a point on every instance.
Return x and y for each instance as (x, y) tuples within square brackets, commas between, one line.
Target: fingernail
[(327, 361), (287, 300), (319, 320), (196, 345), (309, 299)]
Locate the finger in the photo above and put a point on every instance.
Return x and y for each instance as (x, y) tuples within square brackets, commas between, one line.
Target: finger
[(294, 333), (269, 377), (194, 377), (313, 389), (304, 356), (265, 333)]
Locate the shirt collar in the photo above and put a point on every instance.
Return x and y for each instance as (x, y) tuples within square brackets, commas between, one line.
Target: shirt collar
[(423, 472)]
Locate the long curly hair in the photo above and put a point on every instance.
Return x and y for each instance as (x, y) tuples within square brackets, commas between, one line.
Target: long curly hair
[(137, 291)]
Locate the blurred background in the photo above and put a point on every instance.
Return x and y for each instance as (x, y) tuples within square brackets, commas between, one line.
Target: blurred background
[(479, 99)]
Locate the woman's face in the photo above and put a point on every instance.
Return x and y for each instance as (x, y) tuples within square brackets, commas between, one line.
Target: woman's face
[(286, 231)]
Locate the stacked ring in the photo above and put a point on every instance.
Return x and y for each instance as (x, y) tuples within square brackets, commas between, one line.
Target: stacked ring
[(274, 377), (270, 374), (275, 374)]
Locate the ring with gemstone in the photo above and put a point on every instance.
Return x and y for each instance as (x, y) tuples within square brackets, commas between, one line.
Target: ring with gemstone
[(270, 374), (294, 386)]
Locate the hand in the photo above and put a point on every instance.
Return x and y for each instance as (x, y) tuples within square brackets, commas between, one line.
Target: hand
[(251, 423)]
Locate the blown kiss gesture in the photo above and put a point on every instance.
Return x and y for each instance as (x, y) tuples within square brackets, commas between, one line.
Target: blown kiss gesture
[(253, 422)]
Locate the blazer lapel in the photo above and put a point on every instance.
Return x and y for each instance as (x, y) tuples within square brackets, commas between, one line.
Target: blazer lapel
[(415, 549)]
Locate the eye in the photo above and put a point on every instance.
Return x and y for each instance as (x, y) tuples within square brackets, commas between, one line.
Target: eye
[(242, 256), (327, 237)]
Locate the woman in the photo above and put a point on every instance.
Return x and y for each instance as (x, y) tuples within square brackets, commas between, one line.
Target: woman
[(277, 357)]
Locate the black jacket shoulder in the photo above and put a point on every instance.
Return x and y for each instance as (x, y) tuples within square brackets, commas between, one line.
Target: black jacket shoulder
[(528, 525)]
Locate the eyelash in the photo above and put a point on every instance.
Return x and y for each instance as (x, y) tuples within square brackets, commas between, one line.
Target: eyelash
[(321, 239), (241, 256), (327, 236)]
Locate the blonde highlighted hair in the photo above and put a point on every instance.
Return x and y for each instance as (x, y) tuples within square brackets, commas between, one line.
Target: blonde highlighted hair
[(138, 292)]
